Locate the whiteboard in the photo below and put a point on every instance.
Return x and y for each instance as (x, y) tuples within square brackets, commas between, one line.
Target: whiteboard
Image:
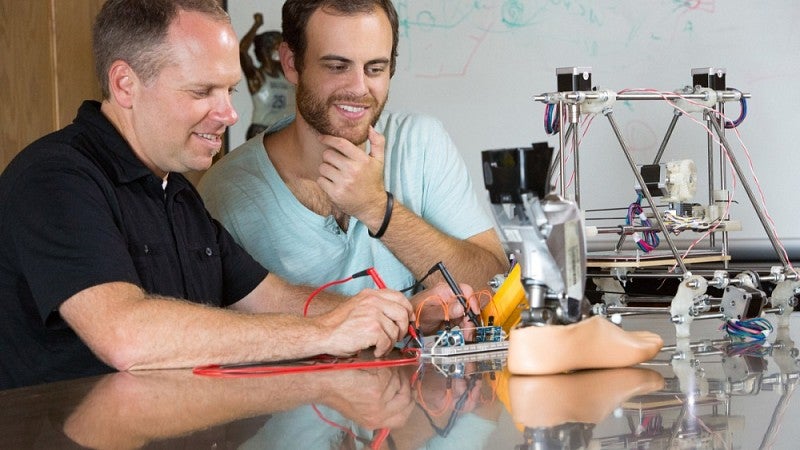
[(476, 65)]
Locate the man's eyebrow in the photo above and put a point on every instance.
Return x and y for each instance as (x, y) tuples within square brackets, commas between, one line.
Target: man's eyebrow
[(336, 58), (378, 61), (210, 85), (342, 59)]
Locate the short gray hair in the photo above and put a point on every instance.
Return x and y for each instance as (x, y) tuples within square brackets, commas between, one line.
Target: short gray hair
[(135, 31)]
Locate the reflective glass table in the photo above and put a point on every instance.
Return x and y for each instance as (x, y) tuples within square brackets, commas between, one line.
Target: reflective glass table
[(704, 392)]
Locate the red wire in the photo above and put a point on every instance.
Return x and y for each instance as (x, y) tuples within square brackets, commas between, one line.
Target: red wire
[(320, 289), (216, 370), (333, 363), (332, 423), (376, 278), (377, 440), (412, 329)]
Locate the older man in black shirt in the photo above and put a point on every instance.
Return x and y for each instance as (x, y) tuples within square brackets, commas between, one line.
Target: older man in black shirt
[(109, 259)]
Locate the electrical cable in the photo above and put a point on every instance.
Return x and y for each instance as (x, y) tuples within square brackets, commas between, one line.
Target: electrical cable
[(448, 278), (757, 328), (457, 409), (726, 152), (715, 139), (419, 282), (416, 384), (759, 348), (647, 241), (587, 122), (319, 362), (552, 115), (320, 289), (742, 113), (380, 435), (418, 311), (371, 272)]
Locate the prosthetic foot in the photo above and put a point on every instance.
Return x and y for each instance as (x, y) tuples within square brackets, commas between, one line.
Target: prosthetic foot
[(593, 343)]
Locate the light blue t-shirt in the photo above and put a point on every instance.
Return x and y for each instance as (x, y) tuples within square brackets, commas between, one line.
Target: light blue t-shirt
[(302, 427), (422, 169)]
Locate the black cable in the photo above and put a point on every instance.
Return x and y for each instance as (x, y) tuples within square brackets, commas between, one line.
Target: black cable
[(418, 283)]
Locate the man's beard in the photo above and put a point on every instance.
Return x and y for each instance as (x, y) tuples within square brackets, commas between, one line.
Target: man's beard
[(315, 112)]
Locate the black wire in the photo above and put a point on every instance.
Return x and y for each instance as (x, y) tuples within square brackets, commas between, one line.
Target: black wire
[(457, 409), (418, 283)]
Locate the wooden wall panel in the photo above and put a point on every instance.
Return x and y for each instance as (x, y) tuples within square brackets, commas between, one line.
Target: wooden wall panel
[(74, 64), (47, 67), (27, 78)]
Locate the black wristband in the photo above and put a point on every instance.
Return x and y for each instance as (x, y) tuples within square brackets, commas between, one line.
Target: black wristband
[(387, 216)]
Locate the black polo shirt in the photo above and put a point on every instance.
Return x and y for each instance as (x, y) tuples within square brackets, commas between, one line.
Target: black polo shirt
[(78, 209)]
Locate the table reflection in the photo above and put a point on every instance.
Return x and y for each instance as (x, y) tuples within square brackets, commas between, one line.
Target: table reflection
[(715, 390), (702, 393)]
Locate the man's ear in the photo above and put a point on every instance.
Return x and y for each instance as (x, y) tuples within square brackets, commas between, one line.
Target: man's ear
[(121, 83), (288, 63)]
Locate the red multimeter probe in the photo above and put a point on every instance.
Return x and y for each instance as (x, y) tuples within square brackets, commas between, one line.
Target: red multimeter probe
[(381, 285)]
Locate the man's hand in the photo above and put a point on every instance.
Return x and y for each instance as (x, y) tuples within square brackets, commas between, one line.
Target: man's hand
[(376, 318), (373, 398), (353, 180), (432, 316)]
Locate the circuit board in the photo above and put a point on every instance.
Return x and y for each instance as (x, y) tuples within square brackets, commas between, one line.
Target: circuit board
[(457, 350)]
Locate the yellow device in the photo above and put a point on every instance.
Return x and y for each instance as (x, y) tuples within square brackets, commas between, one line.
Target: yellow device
[(507, 303)]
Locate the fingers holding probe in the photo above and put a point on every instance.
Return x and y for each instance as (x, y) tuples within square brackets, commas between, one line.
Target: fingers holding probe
[(372, 317)]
